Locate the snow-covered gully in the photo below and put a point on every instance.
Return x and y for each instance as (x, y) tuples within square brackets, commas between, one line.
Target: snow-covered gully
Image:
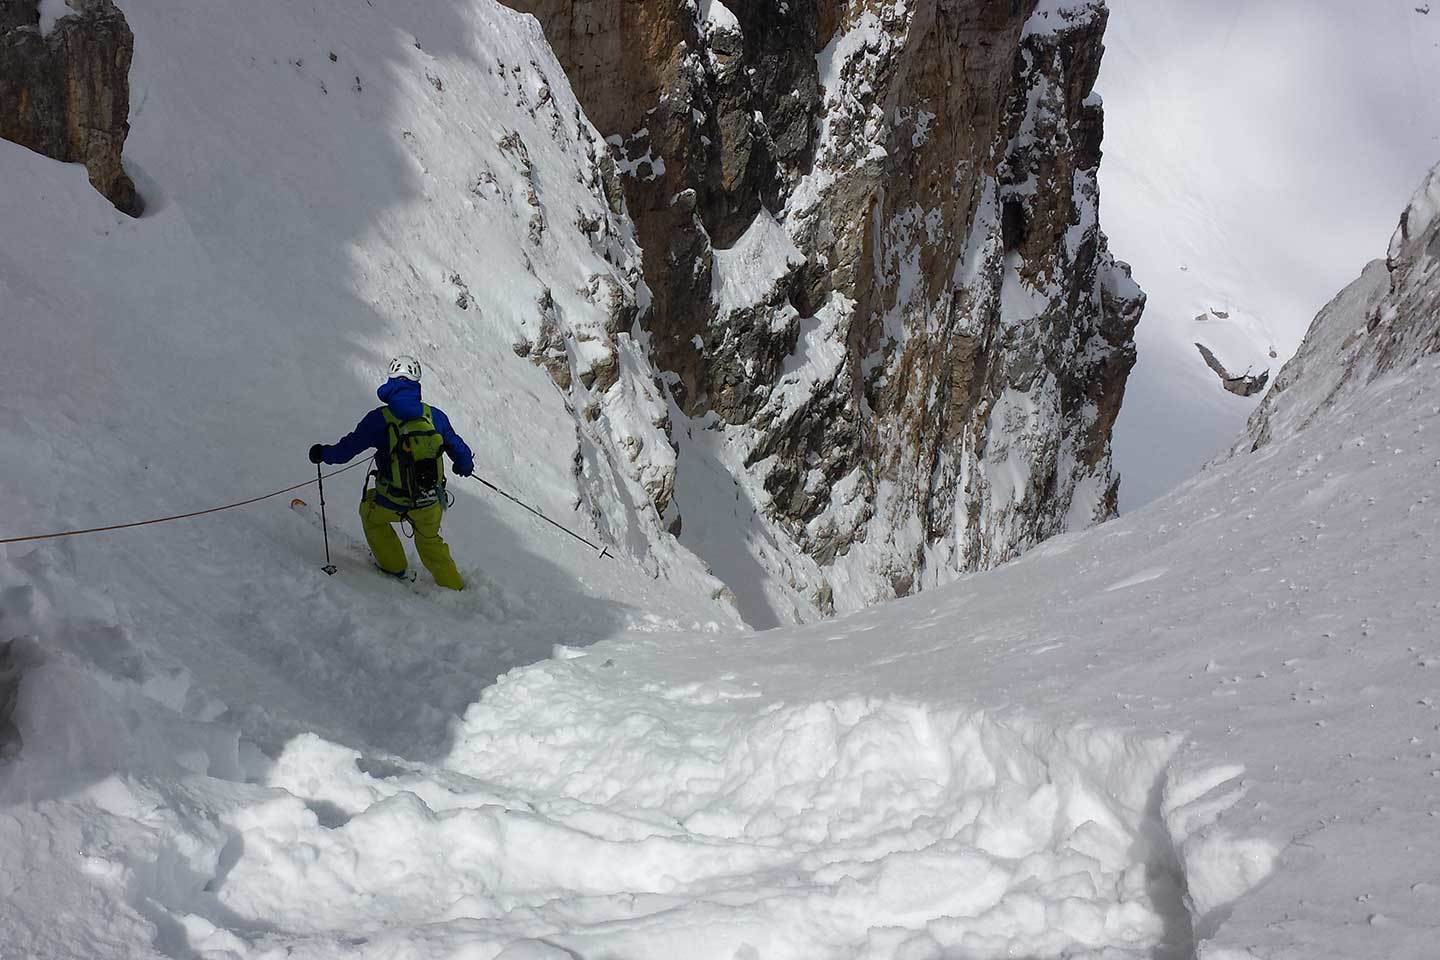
[(1206, 729)]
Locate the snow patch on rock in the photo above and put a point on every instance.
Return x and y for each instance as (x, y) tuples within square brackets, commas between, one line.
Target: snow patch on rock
[(717, 17), (1419, 216), (1050, 16), (747, 273), (51, 11)]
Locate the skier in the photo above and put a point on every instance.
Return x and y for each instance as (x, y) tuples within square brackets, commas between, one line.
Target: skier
[(408, 438)]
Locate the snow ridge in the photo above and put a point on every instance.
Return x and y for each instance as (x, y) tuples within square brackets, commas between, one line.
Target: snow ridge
[(1386, 320), (792, 831)]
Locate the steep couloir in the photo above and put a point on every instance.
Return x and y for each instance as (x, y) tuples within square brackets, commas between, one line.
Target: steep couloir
[(871, 236)]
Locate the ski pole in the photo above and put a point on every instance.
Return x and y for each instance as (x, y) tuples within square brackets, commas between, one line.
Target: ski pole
[(604, 551), (329, 567)]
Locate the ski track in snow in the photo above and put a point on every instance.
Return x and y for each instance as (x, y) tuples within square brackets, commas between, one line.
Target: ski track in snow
[(1144, 576)]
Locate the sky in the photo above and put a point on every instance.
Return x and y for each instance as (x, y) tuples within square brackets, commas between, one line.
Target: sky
[(1257, 156)]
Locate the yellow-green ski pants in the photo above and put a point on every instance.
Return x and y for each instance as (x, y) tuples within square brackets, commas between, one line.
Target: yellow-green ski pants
[(390, 552)]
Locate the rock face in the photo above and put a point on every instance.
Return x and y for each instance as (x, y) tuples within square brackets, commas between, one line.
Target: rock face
[(66, 93), (9, 697), (1386, 320), (1245, 384), (871, 235)]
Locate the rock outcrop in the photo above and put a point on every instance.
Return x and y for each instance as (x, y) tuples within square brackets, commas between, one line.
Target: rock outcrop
[(10, 742), (1245, 384), (66, 93), (1385, 321), (871, 235)]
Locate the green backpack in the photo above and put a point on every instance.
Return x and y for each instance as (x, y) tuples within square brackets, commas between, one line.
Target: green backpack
[(416, 477)]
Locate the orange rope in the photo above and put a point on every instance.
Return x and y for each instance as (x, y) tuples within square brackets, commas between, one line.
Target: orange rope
[(178, 516)]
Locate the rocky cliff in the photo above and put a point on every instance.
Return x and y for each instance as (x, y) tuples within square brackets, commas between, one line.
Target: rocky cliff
[(1384, 321), (879, 282), (65, 92)]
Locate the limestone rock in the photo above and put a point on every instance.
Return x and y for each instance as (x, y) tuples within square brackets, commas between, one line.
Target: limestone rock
[(549, 348), (871, 233), (67, 94), (1245, 384)]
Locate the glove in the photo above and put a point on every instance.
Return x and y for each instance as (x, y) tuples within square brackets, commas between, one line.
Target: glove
[(317, 453), (464, 470)]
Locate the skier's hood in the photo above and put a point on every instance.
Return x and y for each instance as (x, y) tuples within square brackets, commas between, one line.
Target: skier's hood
[(403, 398)]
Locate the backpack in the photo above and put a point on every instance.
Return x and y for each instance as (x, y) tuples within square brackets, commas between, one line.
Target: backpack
[(416, 475)]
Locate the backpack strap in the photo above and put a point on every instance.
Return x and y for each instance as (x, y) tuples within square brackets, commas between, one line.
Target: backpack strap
[(391, 480), (394, 485)]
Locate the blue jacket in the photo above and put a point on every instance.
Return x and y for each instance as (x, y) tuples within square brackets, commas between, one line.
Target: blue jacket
[(403, 398)]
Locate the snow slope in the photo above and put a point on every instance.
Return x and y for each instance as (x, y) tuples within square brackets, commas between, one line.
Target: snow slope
[(325, 187), (1254, 155), (1210, 725)]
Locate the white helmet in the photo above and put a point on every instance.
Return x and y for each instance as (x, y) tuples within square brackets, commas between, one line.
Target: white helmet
[(406, 368)]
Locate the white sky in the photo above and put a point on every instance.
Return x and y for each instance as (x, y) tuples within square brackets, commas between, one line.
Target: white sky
[(1269, 147)]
